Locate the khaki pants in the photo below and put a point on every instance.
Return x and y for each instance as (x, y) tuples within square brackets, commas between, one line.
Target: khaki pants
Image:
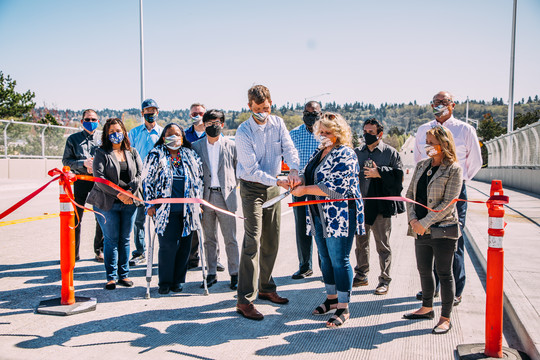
[(261, 241), (381, 229)]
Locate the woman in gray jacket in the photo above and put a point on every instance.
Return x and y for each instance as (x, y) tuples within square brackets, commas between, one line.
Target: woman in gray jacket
[(115, 160), (435, 183)]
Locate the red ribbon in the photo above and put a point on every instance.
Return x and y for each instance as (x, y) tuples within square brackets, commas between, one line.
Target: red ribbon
[(389, 198), (67, 178)]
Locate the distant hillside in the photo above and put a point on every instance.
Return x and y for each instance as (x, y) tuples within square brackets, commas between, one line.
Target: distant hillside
[(405, 118)]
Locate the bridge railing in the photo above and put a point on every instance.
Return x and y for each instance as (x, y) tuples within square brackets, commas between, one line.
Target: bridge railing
[(524, 144), (32, 140)]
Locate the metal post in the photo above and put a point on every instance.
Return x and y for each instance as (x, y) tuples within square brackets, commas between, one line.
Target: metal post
[(43, 141), (5, 139), (141, 49), (510, 122), (467, 111)]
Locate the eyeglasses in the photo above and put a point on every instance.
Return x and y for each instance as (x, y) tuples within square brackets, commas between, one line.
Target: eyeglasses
[(312, 112), (444, 102), (90, 119), (197, 113)]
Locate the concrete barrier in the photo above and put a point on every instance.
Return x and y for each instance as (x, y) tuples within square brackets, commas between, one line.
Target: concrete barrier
[(526, 179), (21, 169)]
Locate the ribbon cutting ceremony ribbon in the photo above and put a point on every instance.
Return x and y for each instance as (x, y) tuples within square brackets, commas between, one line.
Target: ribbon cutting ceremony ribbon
[(67, 178), (388, 198)]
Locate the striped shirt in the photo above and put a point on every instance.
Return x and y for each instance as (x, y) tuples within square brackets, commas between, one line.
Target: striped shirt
[(260, 148), (305, 142)]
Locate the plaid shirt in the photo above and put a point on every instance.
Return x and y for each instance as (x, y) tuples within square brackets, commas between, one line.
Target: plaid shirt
[(442, 189), (305, 142)]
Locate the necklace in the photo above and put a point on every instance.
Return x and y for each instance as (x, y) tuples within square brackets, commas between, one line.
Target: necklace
[(429, 172), (176, 161)]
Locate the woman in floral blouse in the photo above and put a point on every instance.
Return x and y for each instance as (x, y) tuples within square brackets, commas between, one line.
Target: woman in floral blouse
[(173, 170), (332, 173)]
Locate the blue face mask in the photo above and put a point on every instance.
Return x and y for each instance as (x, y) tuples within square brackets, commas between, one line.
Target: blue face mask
[(116, 137), (90, 125), (150, 117)]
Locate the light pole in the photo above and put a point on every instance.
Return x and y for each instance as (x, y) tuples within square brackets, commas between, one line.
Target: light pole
[(510, 122), (313, 97), (142, 49)]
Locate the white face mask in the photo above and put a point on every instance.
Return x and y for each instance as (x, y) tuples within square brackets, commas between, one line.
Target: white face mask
[(173, 142), (260, 116), (196, 119), (441, 110)]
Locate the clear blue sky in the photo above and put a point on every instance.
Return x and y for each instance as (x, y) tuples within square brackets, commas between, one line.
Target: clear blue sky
[(80, 54)]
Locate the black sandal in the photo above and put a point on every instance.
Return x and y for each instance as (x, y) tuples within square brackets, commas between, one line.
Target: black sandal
[(324, 308), (338, 318)]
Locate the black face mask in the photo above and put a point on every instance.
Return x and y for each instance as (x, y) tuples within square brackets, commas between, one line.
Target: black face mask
[(150, 117), (311, 118), (213, 130), (370, 139)]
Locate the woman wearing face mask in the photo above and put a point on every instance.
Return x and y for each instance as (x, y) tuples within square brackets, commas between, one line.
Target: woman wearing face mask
[(435, 183), (115, 160), (173, 170), (332, 173)]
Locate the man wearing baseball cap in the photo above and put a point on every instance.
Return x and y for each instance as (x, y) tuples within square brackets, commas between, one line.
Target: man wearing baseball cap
[(143, 138)]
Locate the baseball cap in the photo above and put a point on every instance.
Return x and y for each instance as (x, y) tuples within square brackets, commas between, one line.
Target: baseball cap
[(149, 103)]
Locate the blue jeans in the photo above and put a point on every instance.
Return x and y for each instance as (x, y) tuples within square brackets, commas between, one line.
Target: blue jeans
[(304, 243), (458, 267), (334, 253), (116, 231), (138, 232)]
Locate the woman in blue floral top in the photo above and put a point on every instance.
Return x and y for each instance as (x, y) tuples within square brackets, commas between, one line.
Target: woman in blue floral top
[(332, 173), (173, 170)]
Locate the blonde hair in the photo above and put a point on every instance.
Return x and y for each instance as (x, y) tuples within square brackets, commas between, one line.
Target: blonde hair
[(337, 124), (446, 139)]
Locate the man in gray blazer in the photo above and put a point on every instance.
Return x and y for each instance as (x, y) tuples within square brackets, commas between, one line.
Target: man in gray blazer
[(218, 155)]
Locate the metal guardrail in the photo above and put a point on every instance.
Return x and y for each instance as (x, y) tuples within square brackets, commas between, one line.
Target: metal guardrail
[(520, 148), (28, 140)]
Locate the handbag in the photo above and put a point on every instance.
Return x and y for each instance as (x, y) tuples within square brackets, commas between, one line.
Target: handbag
[(444, 232)]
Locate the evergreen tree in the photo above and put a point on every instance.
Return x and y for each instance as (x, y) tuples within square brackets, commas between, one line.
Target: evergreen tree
[(12, 103)]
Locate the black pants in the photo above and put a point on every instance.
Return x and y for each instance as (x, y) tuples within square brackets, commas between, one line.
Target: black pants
[(81, 188), (442, 251), (173, 252)]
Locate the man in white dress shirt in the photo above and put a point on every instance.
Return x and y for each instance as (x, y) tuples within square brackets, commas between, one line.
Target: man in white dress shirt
[(470, 159)]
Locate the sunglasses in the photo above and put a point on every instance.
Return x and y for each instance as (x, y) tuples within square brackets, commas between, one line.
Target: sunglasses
[(90, 119)]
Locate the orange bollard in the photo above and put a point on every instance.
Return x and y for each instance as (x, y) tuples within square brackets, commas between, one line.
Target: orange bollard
[(495, 268), (67, 244)]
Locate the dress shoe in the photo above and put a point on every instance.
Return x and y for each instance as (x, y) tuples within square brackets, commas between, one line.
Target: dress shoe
[(125, 282), (439, 331), (164, 290), (360, 281), (210, 280), (273, 297), (234, 282), (457, 300), (413, 316), (192, 264), (177, 289), (111, 285), (302, 275), (419, 295), (220, 267), (382, 289), (248, 311)]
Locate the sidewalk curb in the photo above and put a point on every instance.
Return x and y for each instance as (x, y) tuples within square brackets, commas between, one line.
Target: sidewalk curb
[(511, 308)]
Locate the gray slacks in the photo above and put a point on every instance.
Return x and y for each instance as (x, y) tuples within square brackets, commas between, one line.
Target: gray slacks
[(381, 229), (210, 220), (261, 241)]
